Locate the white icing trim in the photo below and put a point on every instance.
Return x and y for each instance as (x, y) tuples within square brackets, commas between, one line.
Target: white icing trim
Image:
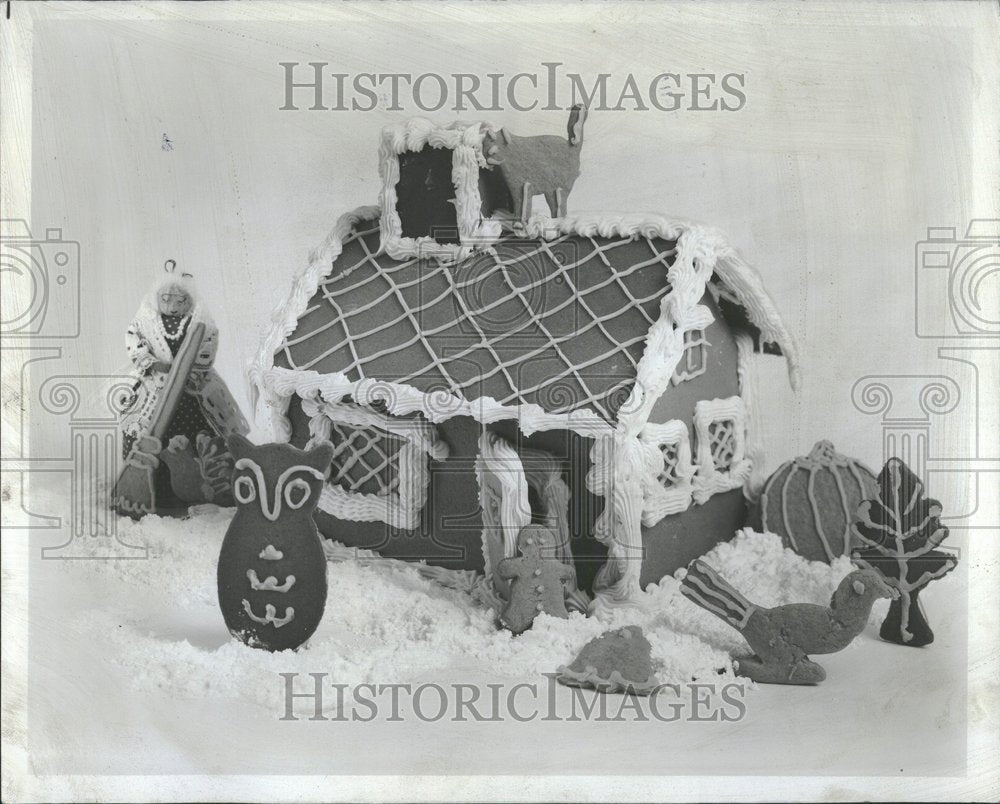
[(466, 144), (750, 395), (694, 339), (617, 465), (708, 479), (272, 511), (270, 583), (502, 485), (747, 286), (280, 384), (270, 614), (700, 250), (270, 553), (659, 501), (680, 312), (400, 508)]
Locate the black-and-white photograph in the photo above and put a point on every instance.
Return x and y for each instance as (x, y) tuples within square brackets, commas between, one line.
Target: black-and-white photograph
[(500, 401)]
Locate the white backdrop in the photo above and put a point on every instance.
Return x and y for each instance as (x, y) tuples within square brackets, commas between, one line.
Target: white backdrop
[(864, 125)]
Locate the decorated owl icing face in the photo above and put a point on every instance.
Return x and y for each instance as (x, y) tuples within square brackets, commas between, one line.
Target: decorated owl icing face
[(278, 479)]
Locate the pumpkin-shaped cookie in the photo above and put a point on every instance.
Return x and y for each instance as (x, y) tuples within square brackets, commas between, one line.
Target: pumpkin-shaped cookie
[(810, 502)]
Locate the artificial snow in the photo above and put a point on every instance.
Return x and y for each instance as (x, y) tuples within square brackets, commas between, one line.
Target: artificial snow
[(386, 624)]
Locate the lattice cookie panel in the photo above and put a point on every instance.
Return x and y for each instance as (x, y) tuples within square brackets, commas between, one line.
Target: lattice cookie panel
[(365, 459), (722, 443)]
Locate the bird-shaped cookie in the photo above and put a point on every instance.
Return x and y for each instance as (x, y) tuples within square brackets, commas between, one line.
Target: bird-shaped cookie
[(782, 637)]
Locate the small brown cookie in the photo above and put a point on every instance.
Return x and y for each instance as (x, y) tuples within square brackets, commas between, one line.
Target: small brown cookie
[(810, 502), (616, 661), (536, 580)]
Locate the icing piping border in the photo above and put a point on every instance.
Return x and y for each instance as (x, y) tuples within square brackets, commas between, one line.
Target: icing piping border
[(465, 140)]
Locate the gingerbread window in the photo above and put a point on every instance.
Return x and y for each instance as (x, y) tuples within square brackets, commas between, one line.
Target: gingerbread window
[(437, 194), (380, 469), (721, 458), (365, 459), (667, 485), (694, 360)]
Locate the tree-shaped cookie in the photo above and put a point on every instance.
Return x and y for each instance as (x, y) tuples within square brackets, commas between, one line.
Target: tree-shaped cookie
[(900, 533), (536, 580)]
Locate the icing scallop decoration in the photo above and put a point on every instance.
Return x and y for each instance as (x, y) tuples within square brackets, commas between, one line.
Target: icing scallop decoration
[(810, 502)]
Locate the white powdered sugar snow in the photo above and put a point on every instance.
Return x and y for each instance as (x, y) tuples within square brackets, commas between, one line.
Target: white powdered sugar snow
[(160, 621)]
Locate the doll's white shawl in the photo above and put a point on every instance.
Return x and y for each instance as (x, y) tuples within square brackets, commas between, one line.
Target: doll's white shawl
[(147, 344)]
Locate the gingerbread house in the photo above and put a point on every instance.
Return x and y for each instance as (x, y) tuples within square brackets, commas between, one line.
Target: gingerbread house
[(475, 375)]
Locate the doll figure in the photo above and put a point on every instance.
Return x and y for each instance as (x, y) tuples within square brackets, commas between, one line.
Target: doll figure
[(153, 339)]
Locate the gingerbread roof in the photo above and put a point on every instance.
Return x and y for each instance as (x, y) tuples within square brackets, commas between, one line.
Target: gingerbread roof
[(560, 324), (555, 324)]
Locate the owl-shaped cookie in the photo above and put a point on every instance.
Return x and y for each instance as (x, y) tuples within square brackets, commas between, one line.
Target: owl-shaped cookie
[(272, 570)]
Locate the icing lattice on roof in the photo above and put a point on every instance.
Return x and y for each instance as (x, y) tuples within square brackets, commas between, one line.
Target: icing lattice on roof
[(338, 336), (560, 323)]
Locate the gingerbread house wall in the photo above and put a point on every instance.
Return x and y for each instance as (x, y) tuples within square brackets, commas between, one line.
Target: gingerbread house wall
[(449, 532), (678, 538)]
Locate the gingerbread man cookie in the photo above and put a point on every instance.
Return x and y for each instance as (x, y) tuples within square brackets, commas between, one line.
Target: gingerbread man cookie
[(536, 580)]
